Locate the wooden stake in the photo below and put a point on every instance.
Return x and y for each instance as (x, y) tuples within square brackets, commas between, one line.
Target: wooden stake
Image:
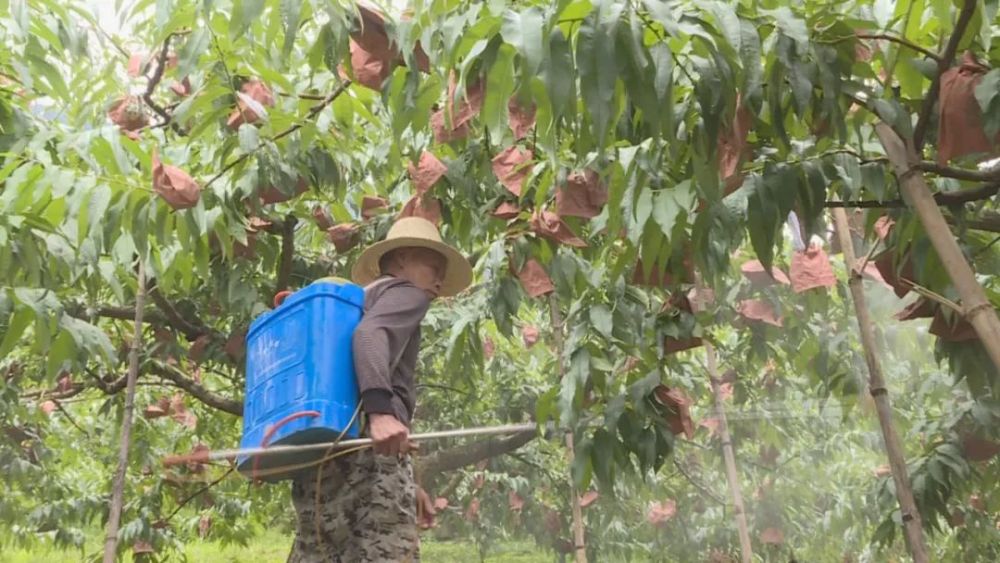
[(746, 548), (977, 308), (118, 484), (579, 538), (876, 383)]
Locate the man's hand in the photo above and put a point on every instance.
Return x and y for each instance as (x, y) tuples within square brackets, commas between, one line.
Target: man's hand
[(389, 434), (425, 509)]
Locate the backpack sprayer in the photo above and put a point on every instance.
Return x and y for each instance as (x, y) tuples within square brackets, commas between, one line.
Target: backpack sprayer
[(301, 401)]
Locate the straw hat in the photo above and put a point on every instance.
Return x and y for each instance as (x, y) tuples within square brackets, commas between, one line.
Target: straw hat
[(411, 232)]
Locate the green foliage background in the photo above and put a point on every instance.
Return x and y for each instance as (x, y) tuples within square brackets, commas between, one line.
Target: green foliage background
[(638, 91)]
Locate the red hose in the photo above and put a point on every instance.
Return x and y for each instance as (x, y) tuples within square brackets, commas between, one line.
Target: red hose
[(274, 428), (279, 297)]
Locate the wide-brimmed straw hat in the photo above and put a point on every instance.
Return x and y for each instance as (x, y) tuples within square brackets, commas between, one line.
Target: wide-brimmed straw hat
[(410, 232)]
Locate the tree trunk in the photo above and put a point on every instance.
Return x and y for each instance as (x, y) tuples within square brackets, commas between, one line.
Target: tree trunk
[(977, 309), (746, 548), (579, 539), (118, 486), (897, 461)]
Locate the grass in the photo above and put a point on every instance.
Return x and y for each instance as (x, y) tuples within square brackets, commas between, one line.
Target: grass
[(272, 547)]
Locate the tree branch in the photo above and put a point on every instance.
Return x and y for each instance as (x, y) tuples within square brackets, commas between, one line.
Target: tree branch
[(109, 387), (697, 484), (126, 314), (110, 312), (312, 113), (167, 316), (986, 191), (944, 63), (114, 42), (147, 96), (902, 41), (287, 253), (865, 204), (989, 175), (313, 97), (989, 222), (70, 418), (430, 466), (54, 394), (199, 492), (197, 390), (190, 330)]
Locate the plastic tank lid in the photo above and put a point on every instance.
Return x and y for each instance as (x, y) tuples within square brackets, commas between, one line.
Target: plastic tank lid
[(333, 279), (308, 291)]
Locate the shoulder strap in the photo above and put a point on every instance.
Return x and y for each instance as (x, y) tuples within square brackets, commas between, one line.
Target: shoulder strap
[(376, 283), (406, 343)]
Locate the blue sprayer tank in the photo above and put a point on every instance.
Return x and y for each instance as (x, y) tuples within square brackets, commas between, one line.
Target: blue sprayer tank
[(300, 383)]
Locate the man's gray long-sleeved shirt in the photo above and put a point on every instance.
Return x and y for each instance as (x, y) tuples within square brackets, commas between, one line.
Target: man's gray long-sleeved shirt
[(394, 309)]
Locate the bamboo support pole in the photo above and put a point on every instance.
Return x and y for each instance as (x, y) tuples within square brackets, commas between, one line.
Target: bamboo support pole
[(746, 548), (976, 307), (118, 483), (894, 449), (579, 537)]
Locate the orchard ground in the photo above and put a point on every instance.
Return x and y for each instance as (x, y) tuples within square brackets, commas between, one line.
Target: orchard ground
[(273, 547)]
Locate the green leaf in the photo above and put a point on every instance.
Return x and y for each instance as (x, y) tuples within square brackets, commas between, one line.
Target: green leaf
[(602, 457), (499, 87), (42, 301), (650, 247), (545, 407), (164, 8), (19, 322), (777, 112), (988, 96), (524, 32), (291, 13), (245, 12), (88, 338), (601, 320), (790, 24), (762, 219), (60, 353), (637, 72), (911, 80), (873, 179), (192, 50), (643, 207), (574, 380), (559, 75), (812, 195), (595, 54), (668, 205), (330, 44), (750, 58), (798, 74), (249, 137), (729, 24), (663, 86), (53, 78)]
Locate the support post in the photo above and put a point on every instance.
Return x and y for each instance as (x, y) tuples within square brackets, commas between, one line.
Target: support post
[(579, 538), (746, 547), (118, 483), (897, 461), (977, 308)]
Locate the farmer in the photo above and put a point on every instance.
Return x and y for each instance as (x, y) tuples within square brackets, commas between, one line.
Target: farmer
[(363, 506)]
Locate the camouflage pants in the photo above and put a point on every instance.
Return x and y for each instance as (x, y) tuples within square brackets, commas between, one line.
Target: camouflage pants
[(366, 511)]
